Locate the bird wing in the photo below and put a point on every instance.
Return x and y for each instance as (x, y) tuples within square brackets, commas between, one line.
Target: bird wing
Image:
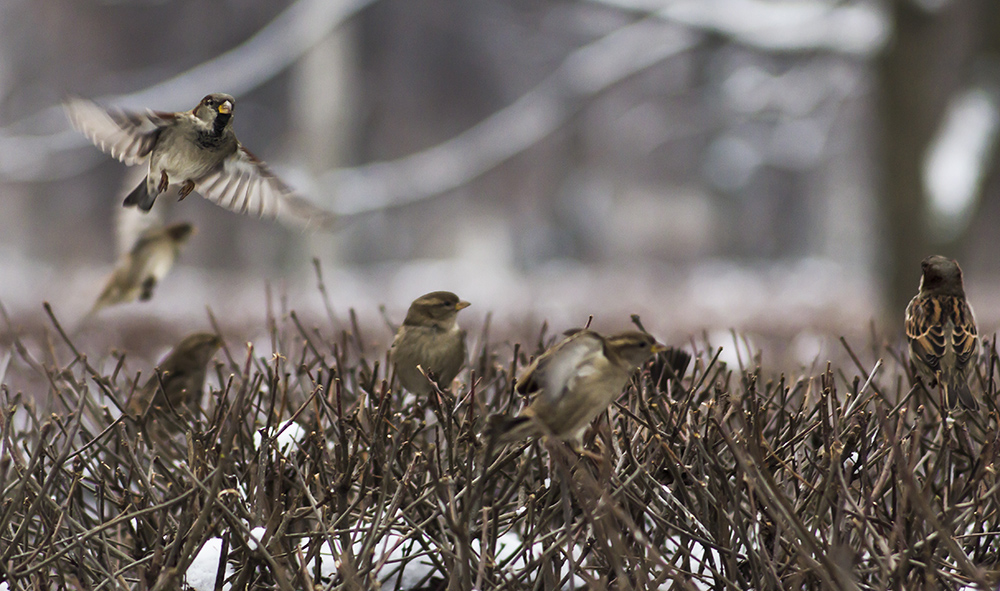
[(925, 331), (126, 135), (933, 325), (116, 287), (243, 183), (964, 336), (556, 369)]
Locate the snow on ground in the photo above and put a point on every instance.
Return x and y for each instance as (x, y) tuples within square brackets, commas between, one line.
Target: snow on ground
[(784, 296), (393, 568), (393, 549)]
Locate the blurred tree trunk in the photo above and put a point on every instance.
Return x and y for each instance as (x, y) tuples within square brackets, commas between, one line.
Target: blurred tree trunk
[(927, 62), (324, 109)]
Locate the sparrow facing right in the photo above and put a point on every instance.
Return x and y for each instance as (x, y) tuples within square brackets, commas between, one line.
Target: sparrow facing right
[(941, 331), (430, 338), (196, 149), (146, 264), (182, 375), (573, 382)]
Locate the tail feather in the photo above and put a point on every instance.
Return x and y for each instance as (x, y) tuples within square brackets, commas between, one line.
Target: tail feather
[(140, 196), (671, 364), (678, 360), (506, 429), (960, 393)]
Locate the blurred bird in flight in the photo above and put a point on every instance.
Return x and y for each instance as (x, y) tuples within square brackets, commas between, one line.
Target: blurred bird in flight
[(146, 264)]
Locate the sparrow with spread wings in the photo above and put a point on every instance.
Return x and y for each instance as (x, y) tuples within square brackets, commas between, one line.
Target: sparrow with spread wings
[(573, 382), (941, 330), (195, 150)]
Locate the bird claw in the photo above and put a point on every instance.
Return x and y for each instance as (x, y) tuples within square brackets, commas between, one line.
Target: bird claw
[(164, 182), (186, 189)]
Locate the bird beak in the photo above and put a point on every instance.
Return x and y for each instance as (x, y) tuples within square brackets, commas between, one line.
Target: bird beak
[(462, 305), (658, 348), (226, 107)]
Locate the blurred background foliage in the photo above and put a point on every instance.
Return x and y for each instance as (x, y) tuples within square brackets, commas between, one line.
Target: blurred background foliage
[(765, 165)]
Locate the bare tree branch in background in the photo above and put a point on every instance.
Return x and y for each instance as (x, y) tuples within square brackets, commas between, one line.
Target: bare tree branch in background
[(584, 73), (253, 62), (791, 25), (446, 166)]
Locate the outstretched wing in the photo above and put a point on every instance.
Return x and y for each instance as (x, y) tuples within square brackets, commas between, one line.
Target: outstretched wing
[(126, 135), (244, 184)]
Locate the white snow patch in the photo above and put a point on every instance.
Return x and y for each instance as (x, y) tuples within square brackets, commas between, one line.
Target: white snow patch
[(202, 572), (256, 535), (289, 435), (393, 548)]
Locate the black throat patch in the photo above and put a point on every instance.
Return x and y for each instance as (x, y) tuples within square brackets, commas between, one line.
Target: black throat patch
[(213, 138)]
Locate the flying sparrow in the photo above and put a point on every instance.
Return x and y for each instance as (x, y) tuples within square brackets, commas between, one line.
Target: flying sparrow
[(941, 330), (146, 264), (177, 385), (196, 149), (573, 382), (430, 338)]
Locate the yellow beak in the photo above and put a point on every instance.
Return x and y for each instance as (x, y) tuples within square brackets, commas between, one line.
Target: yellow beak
[(462, 305), (658, 348), (226, 107)]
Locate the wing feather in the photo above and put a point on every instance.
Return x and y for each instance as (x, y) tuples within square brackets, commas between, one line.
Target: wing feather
[(555, 370), (126, 135), (245, 184), (965, 337), (925, 332)]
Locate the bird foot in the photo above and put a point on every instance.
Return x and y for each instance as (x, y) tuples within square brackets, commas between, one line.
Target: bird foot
[(578, 449), (147, 289), (164, 182), (186, 189)]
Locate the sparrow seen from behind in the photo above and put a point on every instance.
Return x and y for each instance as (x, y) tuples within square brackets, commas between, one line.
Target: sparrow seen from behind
[(941, 330)]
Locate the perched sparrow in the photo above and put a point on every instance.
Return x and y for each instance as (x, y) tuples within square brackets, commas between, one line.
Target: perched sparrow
[(431, 339), (195, 150), (138, 272), (180, 381), (942, 331), (572, 383)]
